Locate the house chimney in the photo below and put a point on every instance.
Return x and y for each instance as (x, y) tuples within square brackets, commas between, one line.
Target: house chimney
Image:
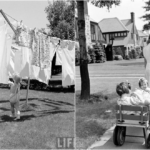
[(132, 17), (133, 21)]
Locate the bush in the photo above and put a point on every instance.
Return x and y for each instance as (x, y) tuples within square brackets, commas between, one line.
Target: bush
[(92, 54), (134, 53), (118, 51), (77, 57), (89, 58), (127, 57), (118, 57)]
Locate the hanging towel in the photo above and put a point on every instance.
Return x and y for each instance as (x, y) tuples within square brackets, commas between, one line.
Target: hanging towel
[(11, 67), (58, 56), (68, 62), (5, 44), (25, 64)]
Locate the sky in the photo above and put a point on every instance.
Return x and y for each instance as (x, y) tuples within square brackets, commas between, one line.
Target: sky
[(30, 12), (123, 11), (33, 15)]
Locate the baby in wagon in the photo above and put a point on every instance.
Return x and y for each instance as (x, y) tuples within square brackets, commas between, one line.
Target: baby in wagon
[(143, 85), (138, 97)]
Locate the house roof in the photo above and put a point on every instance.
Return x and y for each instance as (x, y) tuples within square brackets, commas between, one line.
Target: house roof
[(112, 25), (92, 20), (141, 34)]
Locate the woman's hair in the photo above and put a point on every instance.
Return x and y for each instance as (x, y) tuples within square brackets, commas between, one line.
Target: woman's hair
[(122, 88), (141, 81)]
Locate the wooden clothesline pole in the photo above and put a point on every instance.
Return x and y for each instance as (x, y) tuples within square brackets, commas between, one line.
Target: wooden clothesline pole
[(5, 17), (3, 14)]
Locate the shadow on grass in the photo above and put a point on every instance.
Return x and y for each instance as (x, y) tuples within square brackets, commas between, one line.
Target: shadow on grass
[(131, 64), (6, 118), (38, 108), (92, 119), (91, 128), (97, 97)]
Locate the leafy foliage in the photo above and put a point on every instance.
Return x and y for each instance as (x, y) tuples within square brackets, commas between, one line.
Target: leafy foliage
[(104, 3), (60, 15), (146, 17)]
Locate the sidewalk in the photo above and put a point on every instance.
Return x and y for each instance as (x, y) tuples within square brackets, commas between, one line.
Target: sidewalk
[(106, 141)]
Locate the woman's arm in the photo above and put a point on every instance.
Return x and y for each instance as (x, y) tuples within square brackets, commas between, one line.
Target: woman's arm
[(145, 62)]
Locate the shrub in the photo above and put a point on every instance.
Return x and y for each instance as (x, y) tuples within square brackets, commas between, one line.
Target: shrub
[(118, 57), (127, 57), (77, 57), (92, 54), (134, 53), (118, 51)]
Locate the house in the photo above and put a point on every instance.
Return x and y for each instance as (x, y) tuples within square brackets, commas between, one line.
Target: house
[(123, 33), (95, 31), (143, 37)]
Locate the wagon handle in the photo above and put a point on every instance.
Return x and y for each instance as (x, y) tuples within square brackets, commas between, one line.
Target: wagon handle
[(120, 113)]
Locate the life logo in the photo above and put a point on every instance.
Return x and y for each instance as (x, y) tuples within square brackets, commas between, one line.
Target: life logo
[(65, 143)]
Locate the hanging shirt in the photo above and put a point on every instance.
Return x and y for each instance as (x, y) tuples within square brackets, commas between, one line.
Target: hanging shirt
[(25, 65), (45, 70), (68, 62), (5, 44)]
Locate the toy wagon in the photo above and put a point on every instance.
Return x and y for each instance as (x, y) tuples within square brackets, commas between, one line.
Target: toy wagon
[(124, 119)]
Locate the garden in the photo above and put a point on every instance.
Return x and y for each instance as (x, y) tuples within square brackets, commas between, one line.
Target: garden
[(97, 54)]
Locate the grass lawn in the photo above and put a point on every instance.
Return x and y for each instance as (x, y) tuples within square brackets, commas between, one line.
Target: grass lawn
[(51, 115), (93, 119)]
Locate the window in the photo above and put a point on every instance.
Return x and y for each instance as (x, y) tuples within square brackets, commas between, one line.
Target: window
[(118, 34), (122, 34), (125, 34)]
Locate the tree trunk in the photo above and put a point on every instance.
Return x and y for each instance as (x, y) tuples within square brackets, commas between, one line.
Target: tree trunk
[(85, 81)]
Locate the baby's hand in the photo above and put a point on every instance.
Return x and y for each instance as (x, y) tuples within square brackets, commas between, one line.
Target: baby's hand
[(10, 83)]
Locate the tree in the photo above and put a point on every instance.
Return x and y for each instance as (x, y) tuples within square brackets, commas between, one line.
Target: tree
[(146, 17), (60, 15), (82, 11)]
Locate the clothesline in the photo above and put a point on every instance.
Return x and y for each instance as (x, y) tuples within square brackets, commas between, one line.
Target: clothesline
[(23, 39), (10, 17), (68, 60)]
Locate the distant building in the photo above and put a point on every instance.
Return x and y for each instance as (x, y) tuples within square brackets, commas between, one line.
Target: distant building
[(143, 37), (124, 33), (95, 31)]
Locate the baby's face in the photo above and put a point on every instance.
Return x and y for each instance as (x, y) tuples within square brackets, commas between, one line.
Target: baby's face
[(144, 85)]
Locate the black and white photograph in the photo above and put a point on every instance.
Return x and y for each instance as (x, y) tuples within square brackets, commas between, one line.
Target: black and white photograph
[(37, 77), (112, 74)]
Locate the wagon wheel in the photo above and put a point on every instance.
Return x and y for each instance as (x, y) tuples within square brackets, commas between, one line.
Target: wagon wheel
[(115, 135), (121, 136), (147, 140)]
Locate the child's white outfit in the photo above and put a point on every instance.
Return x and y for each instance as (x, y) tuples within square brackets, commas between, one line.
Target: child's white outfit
[(137, 98), (14, 99)]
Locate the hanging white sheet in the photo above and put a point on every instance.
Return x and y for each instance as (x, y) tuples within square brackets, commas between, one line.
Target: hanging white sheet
[(58, 56), (68, 62), (5, 44)]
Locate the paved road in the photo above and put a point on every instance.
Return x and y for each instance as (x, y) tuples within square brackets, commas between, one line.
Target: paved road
[(106, 141)]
